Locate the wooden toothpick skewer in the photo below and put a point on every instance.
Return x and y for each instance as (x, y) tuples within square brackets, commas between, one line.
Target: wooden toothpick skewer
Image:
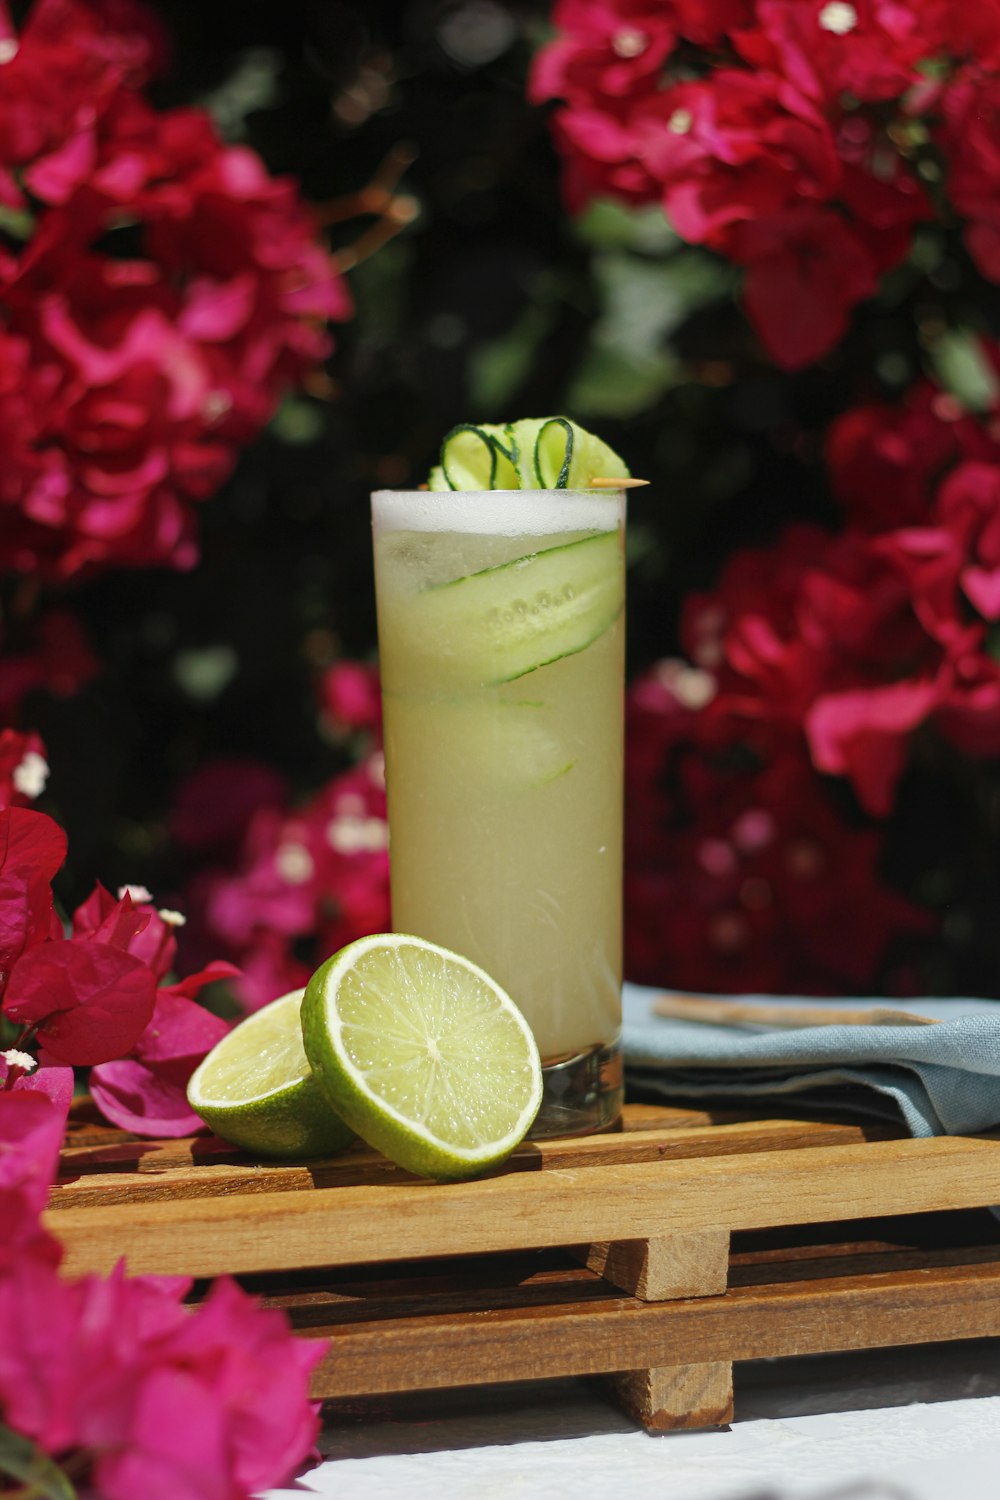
[(617, 484), (790, 1017)]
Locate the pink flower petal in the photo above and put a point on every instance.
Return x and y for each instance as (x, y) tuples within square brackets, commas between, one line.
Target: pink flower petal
[(175, 1447), (195, 983), (31, 1134), (56, 1084), (179, 1027), (863, 734), (90, 1002), (147, 1099)]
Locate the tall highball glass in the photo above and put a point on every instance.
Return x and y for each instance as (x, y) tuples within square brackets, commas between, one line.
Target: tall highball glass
[(501, 634)]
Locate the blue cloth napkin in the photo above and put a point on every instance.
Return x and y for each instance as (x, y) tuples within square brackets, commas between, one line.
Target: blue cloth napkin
[(943, 1080)]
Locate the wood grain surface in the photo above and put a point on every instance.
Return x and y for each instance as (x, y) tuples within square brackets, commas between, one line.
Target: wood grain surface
[(399, 1218), (596, 1335), (424, 1285), (99, 1166), (680, 1265), (677, 1398)]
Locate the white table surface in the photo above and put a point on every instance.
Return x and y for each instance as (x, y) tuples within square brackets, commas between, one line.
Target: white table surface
[(912, 1424)]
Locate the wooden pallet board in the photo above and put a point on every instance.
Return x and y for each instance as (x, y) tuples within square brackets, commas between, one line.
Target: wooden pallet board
[(636, 1254), (434, 1327)]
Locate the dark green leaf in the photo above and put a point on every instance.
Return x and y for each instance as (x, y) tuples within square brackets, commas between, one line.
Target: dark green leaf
[(252, 85), (498, 368), (630, 362), (964, 370), (612, 226), (40, 1477)]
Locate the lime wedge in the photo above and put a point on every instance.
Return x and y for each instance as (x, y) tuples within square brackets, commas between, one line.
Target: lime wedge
[(521, 615), (255, 1088), (423, 1054)]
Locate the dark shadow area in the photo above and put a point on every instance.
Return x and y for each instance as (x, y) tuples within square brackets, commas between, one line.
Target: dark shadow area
[(471, 1417), (766, 1390), (867, 1380)]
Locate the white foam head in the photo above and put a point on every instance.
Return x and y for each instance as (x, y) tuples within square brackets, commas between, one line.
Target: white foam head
[(498, 512)]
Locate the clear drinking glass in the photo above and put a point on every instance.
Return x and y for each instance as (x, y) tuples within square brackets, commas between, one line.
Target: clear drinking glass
[(501, 635)]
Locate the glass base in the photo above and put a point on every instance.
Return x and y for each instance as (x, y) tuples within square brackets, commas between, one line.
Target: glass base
[(581, 1095)]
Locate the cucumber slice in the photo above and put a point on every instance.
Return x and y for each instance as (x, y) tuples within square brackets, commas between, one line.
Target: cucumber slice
[(568, 457), (521, 439), (501, 623), (553, 453), (437, 480), (505, 475), (505, 746), (468, 459), (549, 453), (591, 459), (478, 458)]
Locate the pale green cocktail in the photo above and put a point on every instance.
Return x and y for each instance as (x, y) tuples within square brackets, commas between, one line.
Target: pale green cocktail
[(501, 632)]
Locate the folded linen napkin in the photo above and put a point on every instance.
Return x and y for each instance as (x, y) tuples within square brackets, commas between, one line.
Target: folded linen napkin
[(943, 1080)]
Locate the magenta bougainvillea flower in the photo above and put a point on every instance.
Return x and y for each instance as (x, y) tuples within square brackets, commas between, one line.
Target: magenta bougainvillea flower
[(99, 996), (741, 872), (130, 376), (32, 847), (787, 135), (350, 699), (84, 1000), (318, 873), (31, 1132), (823, 657), (116, 1378), (146, 1092), (149, 1397)]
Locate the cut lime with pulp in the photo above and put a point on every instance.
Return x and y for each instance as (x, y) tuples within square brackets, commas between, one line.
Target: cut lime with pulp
[(255, 1088), (423, 1054)]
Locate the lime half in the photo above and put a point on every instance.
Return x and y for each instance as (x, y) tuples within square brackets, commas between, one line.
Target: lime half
[(423, 1054), (255, 1088)]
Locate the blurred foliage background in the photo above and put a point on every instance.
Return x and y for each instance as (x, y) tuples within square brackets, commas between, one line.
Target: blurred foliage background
[(478, 297), (491, 303)]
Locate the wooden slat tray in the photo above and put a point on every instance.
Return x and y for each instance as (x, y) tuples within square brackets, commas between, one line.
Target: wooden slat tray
[(522, 1274)]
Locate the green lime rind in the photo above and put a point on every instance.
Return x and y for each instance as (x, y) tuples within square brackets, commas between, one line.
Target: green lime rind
[(522, 615), (422, 1054), (256, 1090)]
